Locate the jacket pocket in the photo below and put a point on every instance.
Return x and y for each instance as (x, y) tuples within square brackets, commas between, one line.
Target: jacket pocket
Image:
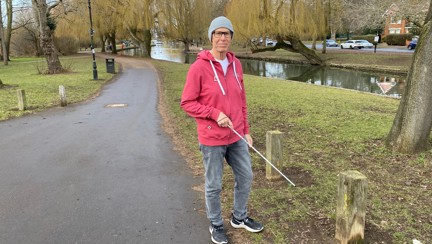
[(211, 130)]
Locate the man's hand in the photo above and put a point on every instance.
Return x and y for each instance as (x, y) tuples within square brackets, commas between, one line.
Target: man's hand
[(248, 138), (224, 121)]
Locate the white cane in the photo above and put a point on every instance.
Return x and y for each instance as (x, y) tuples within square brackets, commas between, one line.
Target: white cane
[(268, 161)]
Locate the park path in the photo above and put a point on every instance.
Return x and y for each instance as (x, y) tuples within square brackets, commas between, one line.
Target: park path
[(88, 173)]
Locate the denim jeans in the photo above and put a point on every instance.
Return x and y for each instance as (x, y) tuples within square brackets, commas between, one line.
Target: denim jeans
[(238, 157)]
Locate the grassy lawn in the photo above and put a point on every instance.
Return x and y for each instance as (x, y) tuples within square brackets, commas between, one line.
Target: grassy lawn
[(42, 90), (326, 131)]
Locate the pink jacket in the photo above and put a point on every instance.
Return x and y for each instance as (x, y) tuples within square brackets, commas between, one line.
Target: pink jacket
[(208, 91)]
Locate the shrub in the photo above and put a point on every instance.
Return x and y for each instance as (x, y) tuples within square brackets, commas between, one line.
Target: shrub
[(398, 39), (66, 45), (369, 38)]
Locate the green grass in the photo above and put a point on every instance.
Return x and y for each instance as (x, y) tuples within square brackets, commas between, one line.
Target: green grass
[(42, 90), (327, 131)]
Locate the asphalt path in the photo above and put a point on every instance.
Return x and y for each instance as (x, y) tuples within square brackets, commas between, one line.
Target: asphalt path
[(88, 173)]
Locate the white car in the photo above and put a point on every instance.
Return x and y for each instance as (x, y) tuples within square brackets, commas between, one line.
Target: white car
[(356, 44), (351, 44), (366, 44)]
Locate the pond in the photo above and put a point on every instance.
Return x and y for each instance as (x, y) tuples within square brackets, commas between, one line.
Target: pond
[(384, 84)]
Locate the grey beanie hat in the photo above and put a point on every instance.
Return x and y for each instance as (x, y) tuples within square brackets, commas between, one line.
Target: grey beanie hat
[(219, 22)]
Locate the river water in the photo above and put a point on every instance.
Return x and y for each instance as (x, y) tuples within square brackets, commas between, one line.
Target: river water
[(384, 84)]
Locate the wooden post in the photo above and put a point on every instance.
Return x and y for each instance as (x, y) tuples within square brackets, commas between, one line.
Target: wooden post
[(22, 102), (274, 154), (62, 91), (351, 207)]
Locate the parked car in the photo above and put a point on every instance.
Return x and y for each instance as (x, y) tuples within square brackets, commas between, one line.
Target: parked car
[(359, 44), (365, 44), (351, 44), (412, 45), (331, 43), (270, 42)]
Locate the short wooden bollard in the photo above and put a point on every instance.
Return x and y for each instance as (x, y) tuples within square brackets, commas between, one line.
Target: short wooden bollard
[(22, 102), (63, 101), (351, 207), (274, 154)]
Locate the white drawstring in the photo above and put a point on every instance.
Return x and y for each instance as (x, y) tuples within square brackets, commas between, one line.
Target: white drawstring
[(217, 78), (235, 74)]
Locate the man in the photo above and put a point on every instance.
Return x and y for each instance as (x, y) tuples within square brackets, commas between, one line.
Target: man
[(214, 95)]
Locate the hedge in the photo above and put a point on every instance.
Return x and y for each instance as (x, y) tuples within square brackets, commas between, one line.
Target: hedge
[(397, 39)]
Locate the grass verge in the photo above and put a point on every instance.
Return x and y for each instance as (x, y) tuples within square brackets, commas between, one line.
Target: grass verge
[(327, 131), (42, 90)]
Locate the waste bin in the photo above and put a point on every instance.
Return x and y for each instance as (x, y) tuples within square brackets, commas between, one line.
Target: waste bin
[(110, 65)]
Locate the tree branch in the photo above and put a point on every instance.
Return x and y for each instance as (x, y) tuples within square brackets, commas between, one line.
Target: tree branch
[(278, 45), (414, 21), (54, 5)]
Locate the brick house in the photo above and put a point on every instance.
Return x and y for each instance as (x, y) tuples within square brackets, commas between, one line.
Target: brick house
[(395, 23)]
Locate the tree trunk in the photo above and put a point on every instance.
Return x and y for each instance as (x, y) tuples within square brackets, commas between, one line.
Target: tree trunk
[(324, 46), (8, 34), (40, 10), (314, 44), (2, 39), (103, 44), (143, 41), (296, 46), (187, 44), (146, 43), (112, 39), (412, 124)]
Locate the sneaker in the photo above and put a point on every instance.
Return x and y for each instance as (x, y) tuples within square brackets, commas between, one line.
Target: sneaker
[(218, 235), (247, 223)]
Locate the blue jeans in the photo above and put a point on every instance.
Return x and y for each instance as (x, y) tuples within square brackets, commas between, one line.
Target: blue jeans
[(238, 157)]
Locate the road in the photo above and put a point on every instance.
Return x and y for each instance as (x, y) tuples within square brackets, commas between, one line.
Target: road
[(93, 174), (391, 49)]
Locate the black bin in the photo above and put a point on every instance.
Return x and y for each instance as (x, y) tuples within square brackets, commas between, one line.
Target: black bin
[(110, 65)]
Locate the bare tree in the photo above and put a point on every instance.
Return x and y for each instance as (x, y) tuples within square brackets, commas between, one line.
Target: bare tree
[(2, 38), (412, 125), (6, 33), (46, 28)]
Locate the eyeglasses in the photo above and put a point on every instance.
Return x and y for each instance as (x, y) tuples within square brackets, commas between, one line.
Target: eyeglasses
[(219, 34)]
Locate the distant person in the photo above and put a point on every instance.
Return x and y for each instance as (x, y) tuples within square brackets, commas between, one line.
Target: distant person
[(214, 94)]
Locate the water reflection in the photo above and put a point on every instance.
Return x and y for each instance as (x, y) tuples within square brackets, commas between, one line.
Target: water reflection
[(389, 85)]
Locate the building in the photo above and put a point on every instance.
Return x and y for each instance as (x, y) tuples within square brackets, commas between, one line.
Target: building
[(395, 23)]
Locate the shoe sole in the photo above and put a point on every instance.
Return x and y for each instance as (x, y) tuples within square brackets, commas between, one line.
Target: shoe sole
[(213, 240), (243, 226)]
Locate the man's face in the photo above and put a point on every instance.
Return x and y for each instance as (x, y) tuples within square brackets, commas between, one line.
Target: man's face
[(221, 39)]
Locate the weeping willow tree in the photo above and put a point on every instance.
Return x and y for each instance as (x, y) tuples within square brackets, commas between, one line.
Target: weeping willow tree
[(288, 22), (138, 21), (185, 20), (74, 26), (107, 20), (319, 20)]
